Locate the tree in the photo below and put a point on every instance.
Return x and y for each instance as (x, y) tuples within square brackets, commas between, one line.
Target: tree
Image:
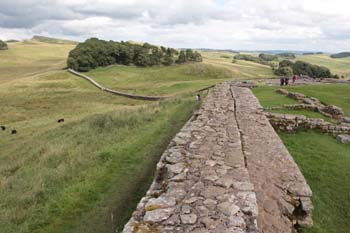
[(168, 60), (284, 71), (3, 45), (182, 57)]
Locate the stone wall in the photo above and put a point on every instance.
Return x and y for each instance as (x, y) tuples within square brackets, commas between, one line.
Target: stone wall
[(314, 104), (215, 178), (99, 86), (291, 123)]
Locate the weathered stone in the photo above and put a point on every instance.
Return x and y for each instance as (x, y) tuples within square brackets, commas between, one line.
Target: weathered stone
[(343, 138), (186, 209), (158, 215), (228, 208), (160, 203), (188, 218), (243, 186), (210, 204)]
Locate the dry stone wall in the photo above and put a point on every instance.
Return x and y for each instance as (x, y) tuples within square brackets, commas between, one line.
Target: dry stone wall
[(291, 123), (218, 175)]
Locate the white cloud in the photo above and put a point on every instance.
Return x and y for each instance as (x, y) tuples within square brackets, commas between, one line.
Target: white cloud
[(249, 24)]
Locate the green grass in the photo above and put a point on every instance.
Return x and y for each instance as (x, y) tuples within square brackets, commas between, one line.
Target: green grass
[(240, 69), (325, 163), (73, 177), (330, 94), (164, 80), (340, 66), (55, 181), (30, 58)]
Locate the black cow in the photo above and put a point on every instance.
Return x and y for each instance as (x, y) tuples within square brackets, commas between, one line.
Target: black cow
[(13, 131), (60, 120), (3, 127)]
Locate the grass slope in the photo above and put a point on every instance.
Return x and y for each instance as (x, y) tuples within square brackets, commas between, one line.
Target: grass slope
[(163, 80), (325, 164), (73, 177), (324, 161), (52, 179), (330, 94), (340, 66), (240, 69), (31, 57)]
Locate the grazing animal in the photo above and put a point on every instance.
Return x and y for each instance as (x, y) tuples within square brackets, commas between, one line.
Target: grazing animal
[(60, 120), (13, 131), (3, 127)]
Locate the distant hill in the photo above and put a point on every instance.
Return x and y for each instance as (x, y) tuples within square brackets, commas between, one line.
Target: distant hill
[(53, 40), (341, 55)]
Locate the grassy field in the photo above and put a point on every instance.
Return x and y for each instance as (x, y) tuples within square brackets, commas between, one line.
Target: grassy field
[(325, 164), (26, 58), (340, 66), (73, 177), (241, 69), (324, 161), (335, 94)]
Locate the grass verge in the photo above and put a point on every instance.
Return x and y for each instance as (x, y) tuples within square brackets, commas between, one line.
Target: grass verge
[(75, 177), (325, 163)]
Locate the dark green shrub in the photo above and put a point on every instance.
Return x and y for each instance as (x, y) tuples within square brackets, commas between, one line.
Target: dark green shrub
[(3, 45), (94, 53)]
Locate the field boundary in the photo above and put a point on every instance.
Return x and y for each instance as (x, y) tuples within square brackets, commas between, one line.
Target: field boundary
[(99, 86)]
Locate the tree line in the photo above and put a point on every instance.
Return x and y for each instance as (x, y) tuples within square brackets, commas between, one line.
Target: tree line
[(261, 59), (288, 68), (3, 45), (94, 53)]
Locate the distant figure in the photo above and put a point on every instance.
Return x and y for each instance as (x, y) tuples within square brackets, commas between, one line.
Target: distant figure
[(286, 81), (281, 81), (60, 120), (198, 97), (3, 127), (13, 131), (294, 78)]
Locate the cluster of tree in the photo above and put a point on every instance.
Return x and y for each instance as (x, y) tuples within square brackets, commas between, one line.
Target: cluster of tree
[(288, 68), (94, 53), (3, 45), (263, 58), (268, 57), (287, 55), (312, 53), (12, 41), (341, 55)]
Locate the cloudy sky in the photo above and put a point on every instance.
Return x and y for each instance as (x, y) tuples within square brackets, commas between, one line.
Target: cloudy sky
[(320, 25)]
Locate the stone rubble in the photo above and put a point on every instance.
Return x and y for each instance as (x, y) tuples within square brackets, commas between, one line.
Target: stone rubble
[(291, 123), (312, 104), (212, 178)]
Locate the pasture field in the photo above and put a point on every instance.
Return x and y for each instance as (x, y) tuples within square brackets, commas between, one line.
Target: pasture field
[(241, 69), (73, 177), (325, 163), (330, 94), (30, 57), (323, 160), (340, 66)]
